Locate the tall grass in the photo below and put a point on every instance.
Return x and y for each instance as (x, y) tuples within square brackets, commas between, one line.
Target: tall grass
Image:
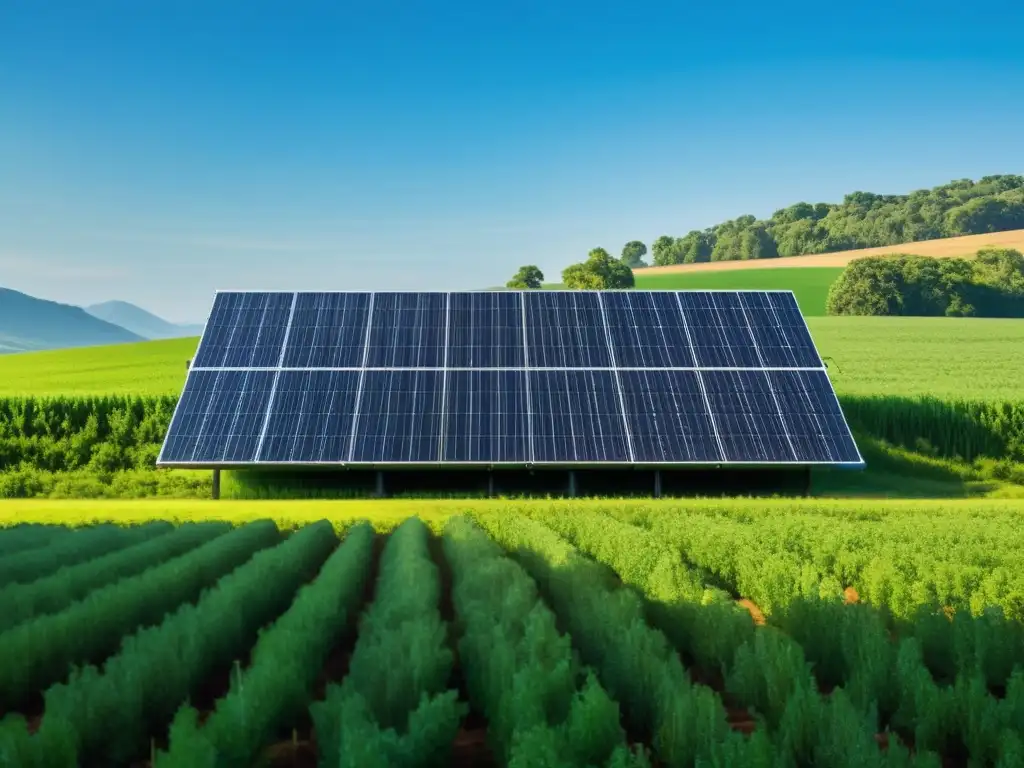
[(955, 429)]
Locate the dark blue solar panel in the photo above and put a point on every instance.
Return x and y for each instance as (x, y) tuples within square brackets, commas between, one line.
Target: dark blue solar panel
[(328, 331), (311, 417), (565, 330), (814, 422), (486, 417), (219, 417), (746, 416), (668, 417), (577, 417), (485, 330), (647, 329), (407, 330), (779, 330), (399, 417), (245, 330), (718, 329)]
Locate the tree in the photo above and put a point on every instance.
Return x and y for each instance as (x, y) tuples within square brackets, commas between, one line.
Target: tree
[(633, 254), (528, 278), (599, 272), (992, 285), (663, 251)]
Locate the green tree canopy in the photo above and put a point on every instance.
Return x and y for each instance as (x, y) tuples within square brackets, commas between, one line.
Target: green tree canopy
[(991, 285), (861, 220), (633, 254), (599, 272), (528, 277)]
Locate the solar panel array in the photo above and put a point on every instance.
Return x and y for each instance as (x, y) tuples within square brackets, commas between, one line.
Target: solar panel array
[(564, 378)]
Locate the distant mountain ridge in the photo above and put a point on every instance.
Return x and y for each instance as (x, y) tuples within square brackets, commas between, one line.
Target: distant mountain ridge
[(28, 324), (140, 322)]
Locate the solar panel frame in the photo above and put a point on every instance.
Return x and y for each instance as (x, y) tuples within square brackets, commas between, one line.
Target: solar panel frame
[(529, 366)]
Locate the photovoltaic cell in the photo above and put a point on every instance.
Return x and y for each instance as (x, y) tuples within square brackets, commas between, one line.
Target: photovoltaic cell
[(407, 330), (647, 330), (487, 417), (328, 331), (439, 377), (668, 417), (399, 417), (485, 330), (779, 330), (814, 422), (718, 328), (219, 417), (577, 417), (747, 417), (245, 330), (565, 330), (311, 417)]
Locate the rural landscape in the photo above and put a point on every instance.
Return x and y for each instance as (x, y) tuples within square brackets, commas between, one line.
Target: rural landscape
[(876, 623), (545, 385)]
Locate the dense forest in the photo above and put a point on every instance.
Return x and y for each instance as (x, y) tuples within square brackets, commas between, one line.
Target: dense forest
[(862, 220)]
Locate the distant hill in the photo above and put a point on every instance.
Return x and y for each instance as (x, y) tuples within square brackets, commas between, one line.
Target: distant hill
[(28, 323), (863, 220), (965, 247), (140, 322)]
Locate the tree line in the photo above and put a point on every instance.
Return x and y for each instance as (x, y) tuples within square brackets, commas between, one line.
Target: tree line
[(862, 220), (990, 285)]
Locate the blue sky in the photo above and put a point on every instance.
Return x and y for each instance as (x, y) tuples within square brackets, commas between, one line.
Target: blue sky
[(157, 151)]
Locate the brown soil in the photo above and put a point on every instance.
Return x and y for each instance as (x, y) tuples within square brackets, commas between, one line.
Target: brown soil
[(755, 613), (965, 246)]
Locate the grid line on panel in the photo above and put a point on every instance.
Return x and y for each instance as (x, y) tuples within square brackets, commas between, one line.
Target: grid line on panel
[(700, 380), (277, 375), (832, 389), (771, 386), (206, 415), (618, 383), (443, 430), (362, 379), (526, 367), (300, 369)]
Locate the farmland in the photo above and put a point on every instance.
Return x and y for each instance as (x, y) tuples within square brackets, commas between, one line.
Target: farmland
[(732, 633), (905, 356), (810, 285)]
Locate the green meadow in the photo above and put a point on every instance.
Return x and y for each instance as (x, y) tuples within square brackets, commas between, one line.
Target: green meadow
[(809, 284)]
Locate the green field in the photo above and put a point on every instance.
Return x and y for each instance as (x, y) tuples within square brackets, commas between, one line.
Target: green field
[(809, 284), (568, 633), (943, 357)]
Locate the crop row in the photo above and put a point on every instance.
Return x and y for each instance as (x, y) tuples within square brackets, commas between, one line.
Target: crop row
[(578, 637), (942, 706)]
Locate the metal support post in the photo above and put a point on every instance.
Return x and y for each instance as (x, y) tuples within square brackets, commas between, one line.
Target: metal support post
[(657, 483), (490, 484), (216, 484), (380, 484), (572, 484)]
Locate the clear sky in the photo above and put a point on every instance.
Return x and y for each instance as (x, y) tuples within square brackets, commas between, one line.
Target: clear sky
[(156, 151)]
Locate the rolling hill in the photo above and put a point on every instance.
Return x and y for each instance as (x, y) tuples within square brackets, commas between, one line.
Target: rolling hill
[(140, 322), (28, 323), (948, 247)]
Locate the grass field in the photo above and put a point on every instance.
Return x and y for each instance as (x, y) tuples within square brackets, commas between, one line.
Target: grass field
[(979, 359), (809, 285), (561, 633)]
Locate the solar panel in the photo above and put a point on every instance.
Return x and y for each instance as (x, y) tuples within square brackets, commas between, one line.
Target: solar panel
[(518, 378)]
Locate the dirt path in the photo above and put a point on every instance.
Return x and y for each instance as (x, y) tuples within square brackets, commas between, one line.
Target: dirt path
[(940, 249)]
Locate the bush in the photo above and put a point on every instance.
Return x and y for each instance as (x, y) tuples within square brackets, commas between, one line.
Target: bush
[(992, 285)]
